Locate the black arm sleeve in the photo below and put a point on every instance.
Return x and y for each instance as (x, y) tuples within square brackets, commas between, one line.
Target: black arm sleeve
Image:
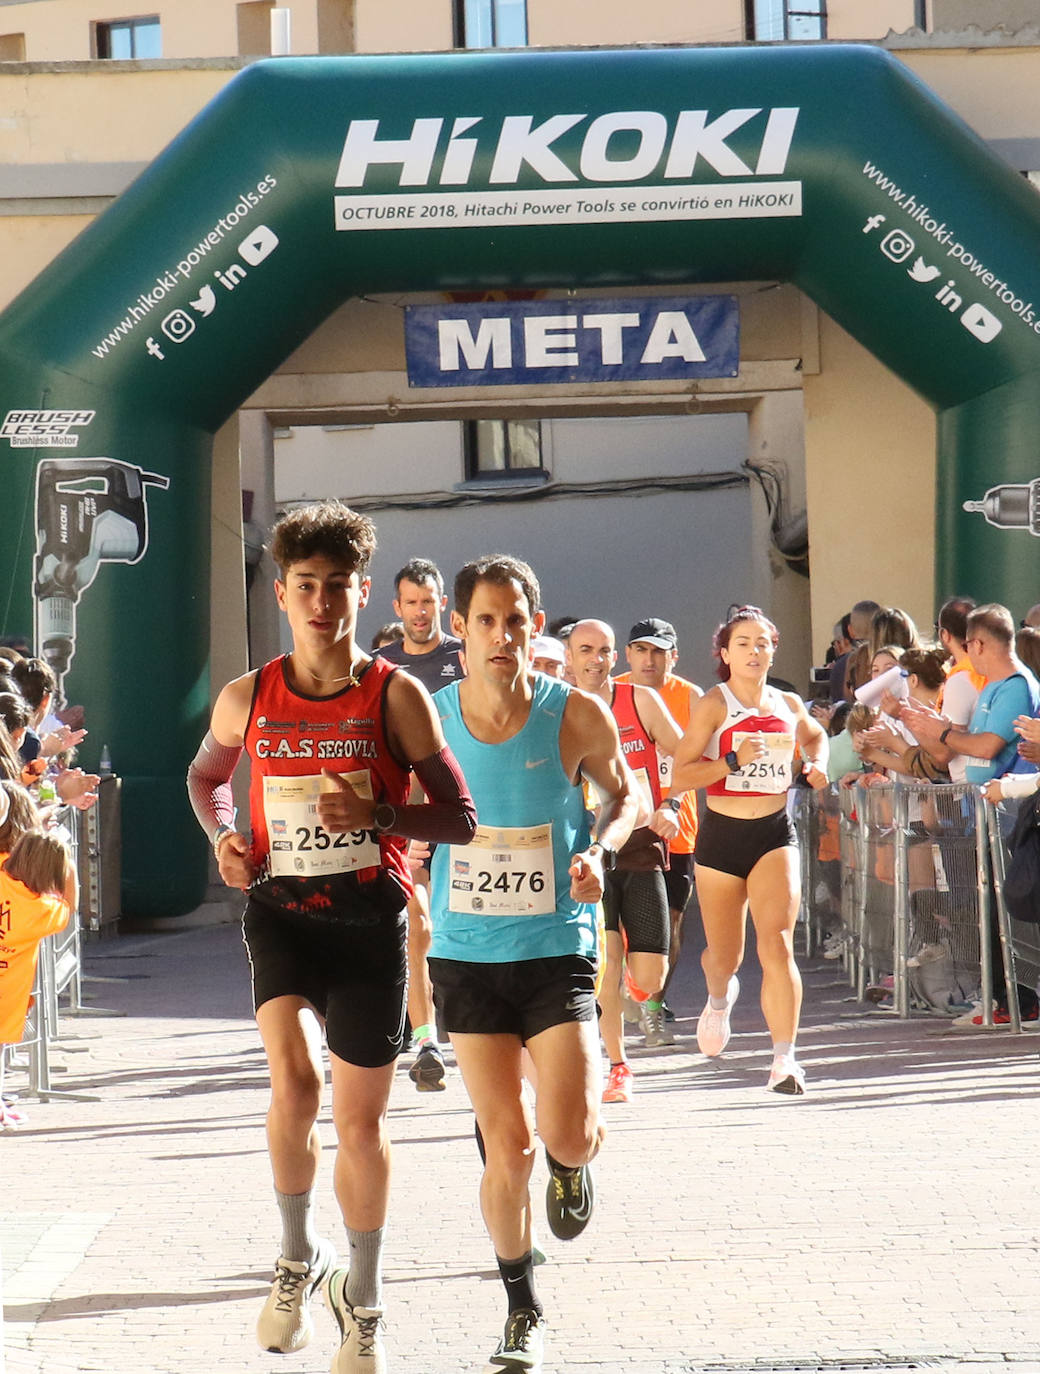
[(449, 817)]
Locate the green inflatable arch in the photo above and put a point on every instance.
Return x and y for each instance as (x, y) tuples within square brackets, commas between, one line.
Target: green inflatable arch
[(308, 181)]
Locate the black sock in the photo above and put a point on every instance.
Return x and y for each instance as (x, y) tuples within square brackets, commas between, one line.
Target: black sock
[(559, 1169), (518, 1277)]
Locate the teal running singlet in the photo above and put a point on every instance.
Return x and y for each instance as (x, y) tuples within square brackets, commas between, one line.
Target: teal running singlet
[(506, 896)]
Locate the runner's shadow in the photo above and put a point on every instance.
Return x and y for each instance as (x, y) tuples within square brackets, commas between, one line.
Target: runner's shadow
[(93, 1305)]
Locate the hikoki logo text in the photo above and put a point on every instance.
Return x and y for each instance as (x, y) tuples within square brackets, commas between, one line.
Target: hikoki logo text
[(606, 154)]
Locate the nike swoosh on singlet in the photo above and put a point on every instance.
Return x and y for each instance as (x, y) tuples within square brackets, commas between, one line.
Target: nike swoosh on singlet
[(535, 763)]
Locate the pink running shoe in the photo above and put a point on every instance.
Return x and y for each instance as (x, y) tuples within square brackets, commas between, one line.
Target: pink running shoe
[(713, 1025)]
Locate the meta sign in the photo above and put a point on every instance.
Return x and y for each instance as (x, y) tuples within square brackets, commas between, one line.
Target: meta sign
[(525, 343)]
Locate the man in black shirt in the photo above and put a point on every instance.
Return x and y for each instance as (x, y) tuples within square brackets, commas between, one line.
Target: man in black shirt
[(432, 656), (425, 651)]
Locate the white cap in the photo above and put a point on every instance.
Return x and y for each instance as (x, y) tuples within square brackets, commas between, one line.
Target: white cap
[(544, 646)]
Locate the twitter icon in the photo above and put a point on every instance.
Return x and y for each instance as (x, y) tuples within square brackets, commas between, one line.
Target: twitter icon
[(920, 271), (206, 303)]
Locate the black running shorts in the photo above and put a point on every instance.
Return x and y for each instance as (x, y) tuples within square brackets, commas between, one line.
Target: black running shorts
[(639, 902), (733, 844), (355, 976), (678, 881), (522, 998)]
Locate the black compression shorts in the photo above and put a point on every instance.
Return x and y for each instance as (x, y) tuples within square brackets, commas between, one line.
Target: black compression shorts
[(733, 844), (638, 900)]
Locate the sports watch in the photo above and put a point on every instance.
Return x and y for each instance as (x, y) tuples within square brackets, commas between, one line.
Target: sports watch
[(731, 761)]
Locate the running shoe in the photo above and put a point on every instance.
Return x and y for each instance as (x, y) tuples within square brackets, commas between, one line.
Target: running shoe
[(713, 1024), (361, 1342), (619, 1084), (787, 1076), (522, 1343), (285, 1323), (428, 1071), (569, 1198), (655, 1028), (630, 1009)]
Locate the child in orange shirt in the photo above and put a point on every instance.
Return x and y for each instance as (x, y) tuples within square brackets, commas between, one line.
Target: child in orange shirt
[(38, 890)]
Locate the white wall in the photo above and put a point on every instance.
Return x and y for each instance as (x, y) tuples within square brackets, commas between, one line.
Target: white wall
[(685, 556)]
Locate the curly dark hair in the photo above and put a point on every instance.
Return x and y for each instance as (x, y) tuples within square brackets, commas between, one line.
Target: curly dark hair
[(328, 529)]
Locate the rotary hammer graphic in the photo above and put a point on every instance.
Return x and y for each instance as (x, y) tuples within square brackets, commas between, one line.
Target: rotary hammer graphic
[(89, 511)]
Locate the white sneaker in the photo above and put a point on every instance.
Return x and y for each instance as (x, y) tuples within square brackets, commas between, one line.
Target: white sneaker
[(713, 1025), (285, 1323), (361, 1342), (967, 1018), (655, 1028), (787, 1076), (630, 1009)]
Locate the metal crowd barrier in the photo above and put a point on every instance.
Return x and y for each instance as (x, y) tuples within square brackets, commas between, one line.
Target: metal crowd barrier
[(58, 977), (907, 880)]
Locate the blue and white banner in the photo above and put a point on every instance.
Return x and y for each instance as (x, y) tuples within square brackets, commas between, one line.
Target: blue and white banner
[(531, 343)]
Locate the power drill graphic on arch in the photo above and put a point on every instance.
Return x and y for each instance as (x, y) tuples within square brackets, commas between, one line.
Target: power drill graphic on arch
[(89, 511)]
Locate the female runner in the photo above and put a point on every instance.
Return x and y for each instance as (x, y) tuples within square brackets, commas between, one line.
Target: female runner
[(739, 746)]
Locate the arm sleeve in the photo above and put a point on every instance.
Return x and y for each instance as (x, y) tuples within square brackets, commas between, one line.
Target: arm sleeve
[(449, 816), (209, 783)]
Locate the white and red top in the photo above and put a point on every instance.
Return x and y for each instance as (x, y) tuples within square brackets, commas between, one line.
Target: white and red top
[(775, 720), (290, 738)]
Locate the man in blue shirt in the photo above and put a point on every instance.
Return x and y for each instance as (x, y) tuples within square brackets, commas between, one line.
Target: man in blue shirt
[(989, 741), (513, 960)]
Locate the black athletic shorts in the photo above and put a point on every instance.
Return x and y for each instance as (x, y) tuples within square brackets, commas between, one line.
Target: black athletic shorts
[(521, 998), (678, 881), (733, 844), (638, 900), (355, 976)]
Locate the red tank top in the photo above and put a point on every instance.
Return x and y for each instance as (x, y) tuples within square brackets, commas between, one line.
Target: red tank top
[(643, 850), (772, 775), (292, 737)]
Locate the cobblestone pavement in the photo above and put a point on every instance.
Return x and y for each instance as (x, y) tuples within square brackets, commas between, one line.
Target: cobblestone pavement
[(887, 1220)]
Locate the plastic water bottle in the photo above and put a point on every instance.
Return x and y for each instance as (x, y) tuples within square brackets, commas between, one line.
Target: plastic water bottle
[(105, 765)]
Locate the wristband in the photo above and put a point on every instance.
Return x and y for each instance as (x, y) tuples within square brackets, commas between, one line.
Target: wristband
[(944, 733), (218, 836)]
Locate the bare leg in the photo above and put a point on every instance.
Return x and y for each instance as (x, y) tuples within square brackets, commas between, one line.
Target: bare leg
[(291, 1032), (611, 1025), (773, 889)]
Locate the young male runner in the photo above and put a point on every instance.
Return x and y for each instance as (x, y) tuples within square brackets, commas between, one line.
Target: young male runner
[(332, 736), (435, 659), (514, 936), (636, 900)]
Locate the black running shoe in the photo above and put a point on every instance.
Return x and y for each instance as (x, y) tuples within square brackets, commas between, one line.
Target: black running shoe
[(521, 1346), (569, 1197), (428, 1072)]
